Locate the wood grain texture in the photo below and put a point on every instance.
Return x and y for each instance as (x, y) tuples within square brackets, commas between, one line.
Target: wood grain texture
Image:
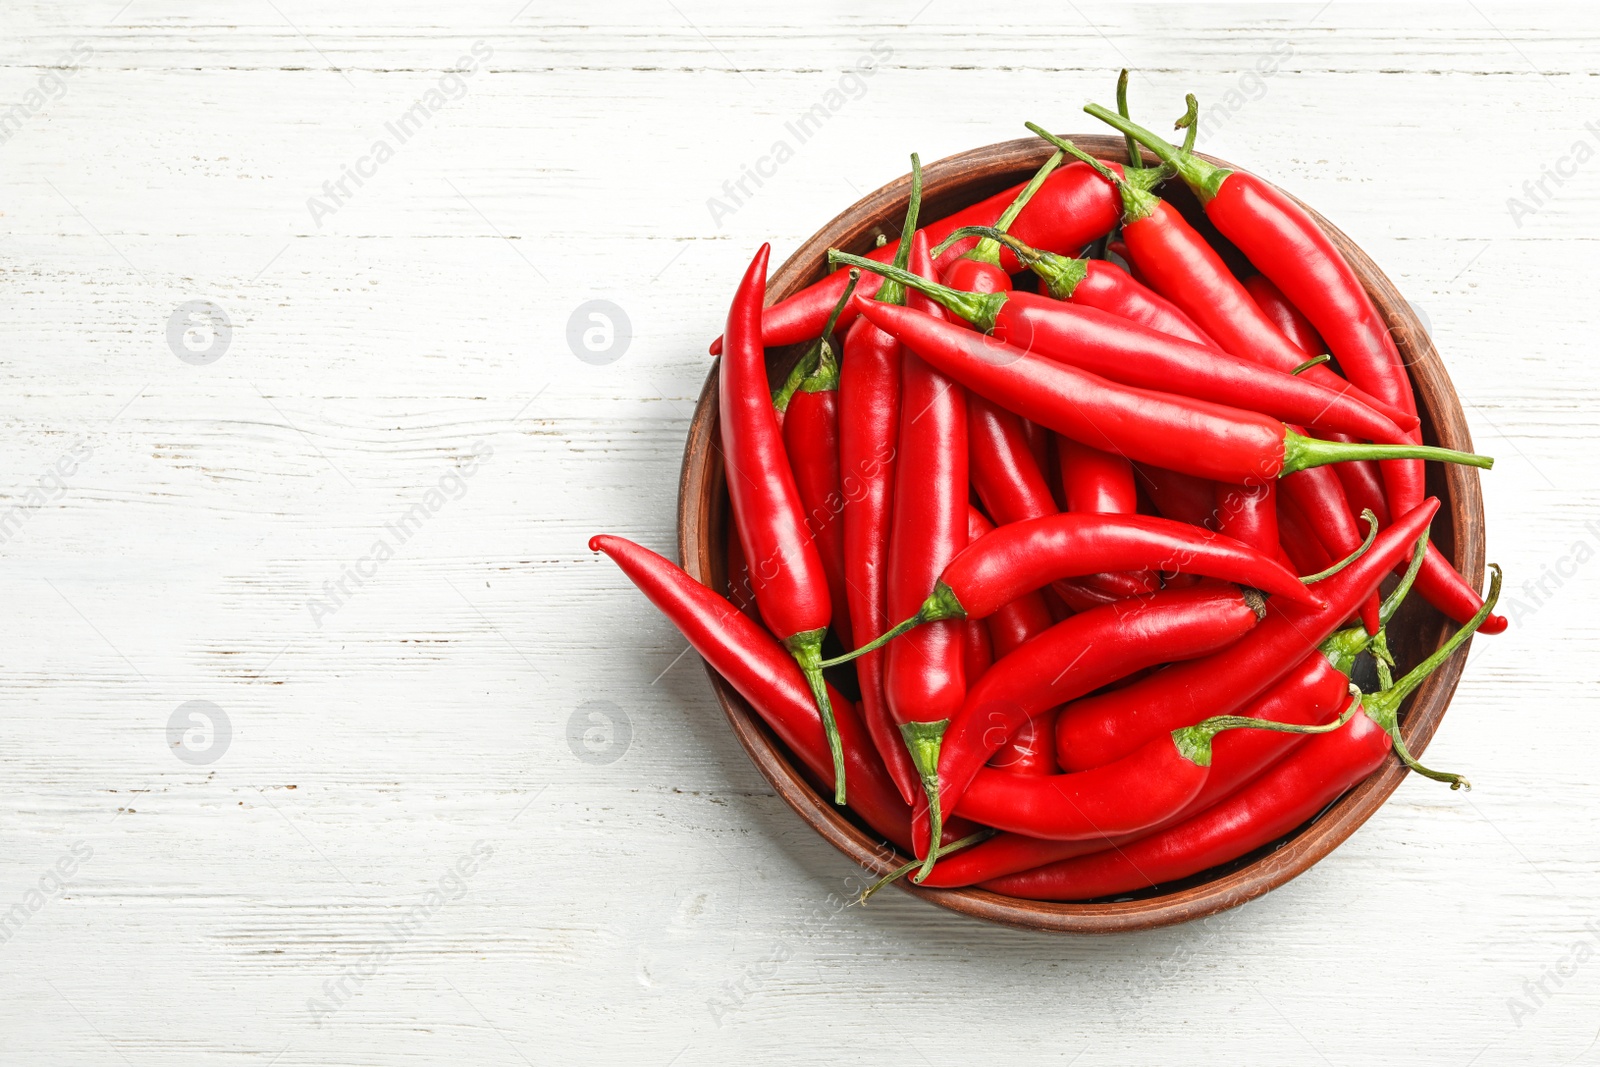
[(668, 904)]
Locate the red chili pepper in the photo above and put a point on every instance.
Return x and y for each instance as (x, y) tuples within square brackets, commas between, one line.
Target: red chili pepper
[(1295, 535), (1284, 315), (1179, 497), (1095, 283), (811, 439), (1012, 487), (1141, 790), (1025, 556), (1004, 474), (1175, 261), (979, 267), (1295, 789), (1286, 244), (1320, 497), (1073, 208), (1103, 728), (1094, 482), (1197, 437), (1123, 351), (1031, 749), (1313, 692), (1081, 654), (791, 586), (923, 679), (869, 432), (736, 647), (1249, 514)]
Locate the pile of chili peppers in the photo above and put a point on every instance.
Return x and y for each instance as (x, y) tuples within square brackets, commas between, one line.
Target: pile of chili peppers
[(1054, 554)]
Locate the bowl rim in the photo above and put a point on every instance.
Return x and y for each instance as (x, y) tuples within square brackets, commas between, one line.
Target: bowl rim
[(699, 518)]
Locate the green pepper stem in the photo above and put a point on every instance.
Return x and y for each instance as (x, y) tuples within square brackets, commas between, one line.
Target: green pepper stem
[(1396, 598), (826, 374), (906, 868), (988, 251), (940, 605), (1199, 175), (806, 648), (1060, 274), (891, 291), (1372, 536), (1312, 362), (1301, 452), (1342, 648), (980, 309), (1189, 123), (818, 369), (923, 740), (1194, 742), (1135, 157), (1137, 202), (1384, 707)]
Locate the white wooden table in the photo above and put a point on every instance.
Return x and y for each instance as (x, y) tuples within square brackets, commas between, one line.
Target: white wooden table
[(352, 519)]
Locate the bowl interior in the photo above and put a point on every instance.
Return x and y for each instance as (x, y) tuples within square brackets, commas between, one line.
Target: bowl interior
[(951, 184)]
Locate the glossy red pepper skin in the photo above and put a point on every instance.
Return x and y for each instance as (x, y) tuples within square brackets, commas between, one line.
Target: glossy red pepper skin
[(1081, 654), (1179, 497), (1096, 482), (1107, 287), (1249, 514), (791, 587), (1103, 728), (1439, 583), (1319, 495), (1311, 694), (923, 679), (1178, 263), (1284, 315), (737, 648), (869, 431), (1073, 208), (1008, 481), (1031, 749), (1299, 541), (1144, 788), (1024, 556), (1288, 246), (1311, 776), (1193, 436), (1126, 352), (811, 440), (976, 275)]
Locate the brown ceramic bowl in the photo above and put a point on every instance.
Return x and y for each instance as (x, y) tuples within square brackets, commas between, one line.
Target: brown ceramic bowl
[(702, 530)]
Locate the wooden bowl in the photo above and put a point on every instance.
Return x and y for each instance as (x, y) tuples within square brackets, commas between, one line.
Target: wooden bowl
[(951, 184)]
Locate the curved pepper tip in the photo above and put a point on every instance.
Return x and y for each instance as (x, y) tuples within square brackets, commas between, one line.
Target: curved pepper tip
[(597, 543)]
